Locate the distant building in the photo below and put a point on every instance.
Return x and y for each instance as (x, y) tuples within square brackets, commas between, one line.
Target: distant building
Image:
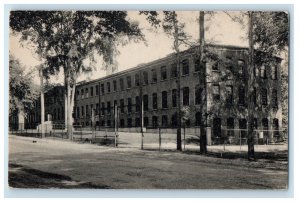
[(155, 83)]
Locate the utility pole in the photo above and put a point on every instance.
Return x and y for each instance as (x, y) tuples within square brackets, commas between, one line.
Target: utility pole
[(42, 102), (141, 111), (250, 84)]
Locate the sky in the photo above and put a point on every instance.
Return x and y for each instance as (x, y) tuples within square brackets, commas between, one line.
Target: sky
[(220, 29)]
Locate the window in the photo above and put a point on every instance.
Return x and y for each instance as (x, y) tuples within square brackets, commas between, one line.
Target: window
[(108, 107), (241, 68), (216, 92), (97, 109), (154, 100), (87, 110), (102, 88), (198, 94), (185, 67), (115, 85), (215, 66), (265, 123), (174, 70), (198, 118), (78, 112), (276, 128), (122, 105), (145, 100), (164, 121), (145, 75), (86, 92), (137, 104), (274, 72), (154, 122), (121, 83), (174, 120), (137, 122), (82, 111), (274, 98), (137, 79), (102, 108), (108, 87), (163, 73), (108, 123), (230, 126), (216, 127), (129, 105), (97, 89), (122, 123), (186, 96), (264, 96), (229, 97), (77, 94), (164, 99), (115, 105), (146, 121), (197, 65), (174, 97), (82, 94), (263, 72), (92, 91), (129, 122), (243, 127), (154, 76), (128, 82), (241, 96)]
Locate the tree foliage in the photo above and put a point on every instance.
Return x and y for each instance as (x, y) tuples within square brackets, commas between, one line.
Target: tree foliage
[(22, 90)]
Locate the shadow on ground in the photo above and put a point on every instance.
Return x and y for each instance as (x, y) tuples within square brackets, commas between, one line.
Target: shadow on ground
[(25, 177)]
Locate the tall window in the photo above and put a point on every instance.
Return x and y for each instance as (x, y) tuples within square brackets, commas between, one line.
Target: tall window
[(164, 99), (241, 96), (174, 70), (174, 97), (92, 109), (145, 102), (154, 76), (274, 72), (186, 96), (197, 65), (154, 121), (264, 96), (137, 104), (122, 86), (229, 97), (274, 98), (174, 120), (198, 118), (97, 109), (115, 85), (230, 126), (137, 79), (78, 112), (137, 122), (128, 81), (108, 107), (82, 111), (77, 94), (163, 73), (164, 120), (185, 67), (129, 105), (146, 121), (87, 110), (154, 100), (263, 72), (145, 75), (86, 92), (102, 108), (129, 122), (82, 93), (102, 88), (198, 94), (92, 91), (216, 92), (108, 87), (122, 105), (97, 89)]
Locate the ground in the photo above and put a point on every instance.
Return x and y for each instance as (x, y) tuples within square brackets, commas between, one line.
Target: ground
[(47, 163)]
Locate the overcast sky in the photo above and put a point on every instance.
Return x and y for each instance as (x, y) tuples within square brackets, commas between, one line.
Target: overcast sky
[(220, 30)]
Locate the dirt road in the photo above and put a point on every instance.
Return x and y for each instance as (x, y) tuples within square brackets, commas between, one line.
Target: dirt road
[(55, 163)]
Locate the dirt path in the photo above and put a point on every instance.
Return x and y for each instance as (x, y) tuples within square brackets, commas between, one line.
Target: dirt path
[(62, 164)]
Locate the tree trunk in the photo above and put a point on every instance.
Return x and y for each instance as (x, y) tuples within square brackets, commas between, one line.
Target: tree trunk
[(250, 83), (202, 83), (176, 46), (42, 104)]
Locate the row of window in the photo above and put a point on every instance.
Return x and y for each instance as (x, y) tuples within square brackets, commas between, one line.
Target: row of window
[(139, 78)]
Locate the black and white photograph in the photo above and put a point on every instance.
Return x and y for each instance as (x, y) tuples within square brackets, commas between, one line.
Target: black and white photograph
[(148, 99)]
